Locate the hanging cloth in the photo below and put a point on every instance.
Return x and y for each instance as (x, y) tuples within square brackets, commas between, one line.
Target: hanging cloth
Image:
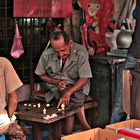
[(97, 19), (17, 47)]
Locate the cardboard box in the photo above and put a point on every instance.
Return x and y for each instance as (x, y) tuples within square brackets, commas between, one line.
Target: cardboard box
[(131, 92), (126, 91), (95, 134), (132, 124)]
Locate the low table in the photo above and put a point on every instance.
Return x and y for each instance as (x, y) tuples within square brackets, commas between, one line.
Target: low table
[(30, 111)]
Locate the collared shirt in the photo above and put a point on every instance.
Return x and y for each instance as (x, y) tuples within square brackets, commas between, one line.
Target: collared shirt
[(9, 81), (76, 66)]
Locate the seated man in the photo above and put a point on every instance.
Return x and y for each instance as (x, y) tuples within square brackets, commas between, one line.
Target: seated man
[(65, 68), (9, 82)]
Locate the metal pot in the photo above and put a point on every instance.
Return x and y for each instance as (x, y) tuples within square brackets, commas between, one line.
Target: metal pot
[(124, 39)]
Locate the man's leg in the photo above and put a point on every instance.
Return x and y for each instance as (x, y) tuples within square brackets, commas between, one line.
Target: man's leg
[(82, 118), (77, 100), (69, 124)]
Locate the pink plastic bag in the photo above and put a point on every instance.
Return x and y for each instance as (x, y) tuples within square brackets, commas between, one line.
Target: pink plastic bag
[(17, 47)]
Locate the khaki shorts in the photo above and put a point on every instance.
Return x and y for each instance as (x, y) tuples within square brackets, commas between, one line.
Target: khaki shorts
[(77, 100)]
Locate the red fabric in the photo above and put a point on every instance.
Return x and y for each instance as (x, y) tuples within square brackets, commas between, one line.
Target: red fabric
[(85, 42), (107, 9), (97, 17), (83, 4)]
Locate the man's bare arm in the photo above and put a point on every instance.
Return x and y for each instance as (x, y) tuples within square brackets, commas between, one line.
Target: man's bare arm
[(12, 103), (49, 80), (79, 84)]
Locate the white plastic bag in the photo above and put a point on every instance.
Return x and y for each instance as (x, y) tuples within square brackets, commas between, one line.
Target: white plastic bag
[(110, 39)]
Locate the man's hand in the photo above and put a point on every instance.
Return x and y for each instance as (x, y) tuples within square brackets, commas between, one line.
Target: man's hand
[(64, 99), (62, 85)]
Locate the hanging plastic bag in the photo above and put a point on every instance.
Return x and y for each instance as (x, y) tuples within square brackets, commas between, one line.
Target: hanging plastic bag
[(17, 47), (110, 39)]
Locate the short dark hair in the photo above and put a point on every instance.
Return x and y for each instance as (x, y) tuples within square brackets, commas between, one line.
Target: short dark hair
[(55, 35)]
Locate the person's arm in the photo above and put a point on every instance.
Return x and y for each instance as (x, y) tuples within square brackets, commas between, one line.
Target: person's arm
[(12, 103), (49, 80), (59, 83), (66, 97), (79, 84)]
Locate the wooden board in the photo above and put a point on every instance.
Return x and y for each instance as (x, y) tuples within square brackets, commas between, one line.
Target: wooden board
[(35, 114)]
